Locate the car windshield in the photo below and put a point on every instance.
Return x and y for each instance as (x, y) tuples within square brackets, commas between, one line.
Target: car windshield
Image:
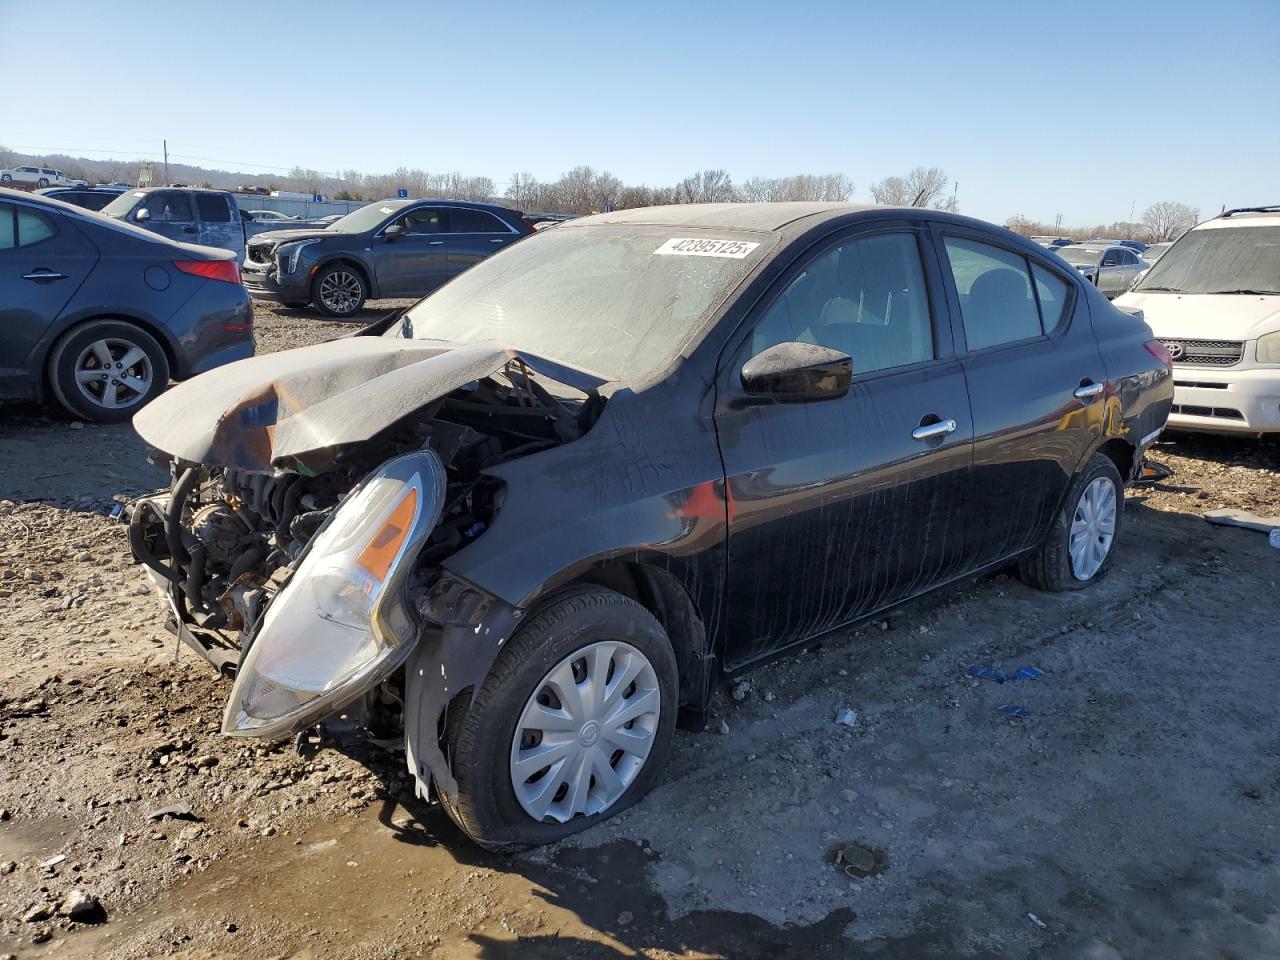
[(1236, 259), (613, 301), (122, 204), (1081, 256), (364, 219)]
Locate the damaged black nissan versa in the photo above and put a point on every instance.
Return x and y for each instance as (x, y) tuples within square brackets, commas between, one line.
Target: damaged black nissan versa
[(535, 516)]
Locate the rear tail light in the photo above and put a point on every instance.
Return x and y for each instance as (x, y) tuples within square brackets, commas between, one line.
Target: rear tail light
[(1160, 352), (227, 271)]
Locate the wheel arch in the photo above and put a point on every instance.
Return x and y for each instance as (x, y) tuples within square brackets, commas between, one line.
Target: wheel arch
[(1121, 453), (659, 592)]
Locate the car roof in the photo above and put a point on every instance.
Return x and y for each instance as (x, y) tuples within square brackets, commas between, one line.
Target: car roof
[(397, 203), (728, 216), (1244, 218)]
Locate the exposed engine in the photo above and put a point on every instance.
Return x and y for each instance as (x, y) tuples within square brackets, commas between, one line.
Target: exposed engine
[(226, 541)]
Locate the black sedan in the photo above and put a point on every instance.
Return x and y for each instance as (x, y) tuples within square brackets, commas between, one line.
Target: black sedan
[(100, 314), (392, 248), (90, 198), (535, 516)]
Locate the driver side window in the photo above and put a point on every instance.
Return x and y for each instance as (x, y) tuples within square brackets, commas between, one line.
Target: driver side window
[(422, 220), (865, 298)]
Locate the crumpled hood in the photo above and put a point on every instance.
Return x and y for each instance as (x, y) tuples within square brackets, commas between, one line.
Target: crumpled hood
[(302, 233), (271, 411), (1206, 316)]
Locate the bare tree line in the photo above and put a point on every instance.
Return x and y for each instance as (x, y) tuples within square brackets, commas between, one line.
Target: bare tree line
[(1163, 221)]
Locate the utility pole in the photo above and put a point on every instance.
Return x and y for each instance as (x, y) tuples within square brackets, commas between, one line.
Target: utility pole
[(1132, 204), (955, 189), (166, 162)]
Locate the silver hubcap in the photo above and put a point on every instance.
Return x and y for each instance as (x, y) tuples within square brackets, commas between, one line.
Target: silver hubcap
[(586, 732), (340, 291), (1093, 527), (113, 373)]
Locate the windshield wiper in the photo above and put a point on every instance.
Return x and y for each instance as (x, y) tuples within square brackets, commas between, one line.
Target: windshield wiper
[(1261, 293), (1166, 289)]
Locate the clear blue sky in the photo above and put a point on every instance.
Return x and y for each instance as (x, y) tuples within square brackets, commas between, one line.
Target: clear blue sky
[(1034, 108)]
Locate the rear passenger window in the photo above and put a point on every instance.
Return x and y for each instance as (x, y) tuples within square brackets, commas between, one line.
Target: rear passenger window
[(994, 286), (168, 205), (1053, 292), (865, 298), (474, 221), (213, 208), (8, 238), (32, 228)]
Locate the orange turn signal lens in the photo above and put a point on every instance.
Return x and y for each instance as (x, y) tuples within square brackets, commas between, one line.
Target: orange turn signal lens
[(381, 550)]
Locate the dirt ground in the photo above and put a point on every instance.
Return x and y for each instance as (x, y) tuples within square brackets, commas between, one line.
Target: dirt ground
[(1134, 813)]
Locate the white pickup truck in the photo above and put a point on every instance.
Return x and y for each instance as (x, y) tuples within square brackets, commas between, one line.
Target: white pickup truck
[(38, 177)]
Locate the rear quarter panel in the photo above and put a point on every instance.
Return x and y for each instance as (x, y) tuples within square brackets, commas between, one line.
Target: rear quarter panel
[(1141, 387)]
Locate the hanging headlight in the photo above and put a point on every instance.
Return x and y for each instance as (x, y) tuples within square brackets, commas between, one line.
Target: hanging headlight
[(341, 623)]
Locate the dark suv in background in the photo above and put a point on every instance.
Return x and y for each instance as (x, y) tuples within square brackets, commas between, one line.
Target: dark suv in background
[(390, 248)]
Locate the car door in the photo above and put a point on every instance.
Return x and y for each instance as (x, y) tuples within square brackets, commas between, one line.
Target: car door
[(43, 261), (168, 213), (416, 262), (216, 225), (839, 507), (1111, 273), (1037, 385), (473, 236)]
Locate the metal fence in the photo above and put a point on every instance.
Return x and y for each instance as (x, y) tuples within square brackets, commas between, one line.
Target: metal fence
[(306, 209)]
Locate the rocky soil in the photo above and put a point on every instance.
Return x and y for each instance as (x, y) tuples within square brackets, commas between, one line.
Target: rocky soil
[(1132, 812)]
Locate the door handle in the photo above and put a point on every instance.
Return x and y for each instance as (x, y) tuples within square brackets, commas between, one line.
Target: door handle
[(930, 430), (44, 275), (435, 243), (1087, 391), (499, 240)]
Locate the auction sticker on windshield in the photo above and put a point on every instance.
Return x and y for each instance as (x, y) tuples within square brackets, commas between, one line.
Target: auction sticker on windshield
[(694, 247)]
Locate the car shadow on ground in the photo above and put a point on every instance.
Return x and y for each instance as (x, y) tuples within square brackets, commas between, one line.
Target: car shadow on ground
[(1225, 449), (53, 458)]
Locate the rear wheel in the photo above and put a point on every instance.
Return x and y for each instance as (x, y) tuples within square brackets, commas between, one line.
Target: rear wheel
[(43, 182), (338, 290), (573, 724), (1081, 542), (107, 370)]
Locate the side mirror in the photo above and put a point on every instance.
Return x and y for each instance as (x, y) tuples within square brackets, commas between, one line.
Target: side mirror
[(394, 231), (142, 216), (795, 372)]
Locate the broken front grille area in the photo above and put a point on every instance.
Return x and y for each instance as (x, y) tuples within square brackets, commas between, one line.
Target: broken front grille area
[(1213, 353)]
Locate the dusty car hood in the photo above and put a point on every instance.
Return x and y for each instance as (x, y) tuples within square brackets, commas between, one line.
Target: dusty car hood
[(277, 410), (1206, 316)]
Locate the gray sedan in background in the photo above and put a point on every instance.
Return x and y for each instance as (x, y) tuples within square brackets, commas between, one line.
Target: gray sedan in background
[(100, 314), (1110, 268)]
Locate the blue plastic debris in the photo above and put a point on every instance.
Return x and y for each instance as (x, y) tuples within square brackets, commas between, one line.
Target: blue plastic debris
[(1014, 710), (983, 672), (987, 673)]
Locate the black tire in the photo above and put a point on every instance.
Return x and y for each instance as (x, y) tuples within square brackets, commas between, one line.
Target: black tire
[(352, 287), (297, 304), (6, 179), (43, 183), (1050, 567), (72, 352), (480, 743)]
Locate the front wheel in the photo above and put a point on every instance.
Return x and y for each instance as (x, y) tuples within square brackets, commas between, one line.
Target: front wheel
[(338, 290), (1081, 541), (573, 724), (6, 179), (43, 183)]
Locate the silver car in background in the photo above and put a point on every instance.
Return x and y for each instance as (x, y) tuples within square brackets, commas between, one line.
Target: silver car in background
[(1112, 269)]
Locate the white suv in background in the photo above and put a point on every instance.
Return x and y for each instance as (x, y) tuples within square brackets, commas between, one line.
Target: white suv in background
[(1214, 300), (38, 177)]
